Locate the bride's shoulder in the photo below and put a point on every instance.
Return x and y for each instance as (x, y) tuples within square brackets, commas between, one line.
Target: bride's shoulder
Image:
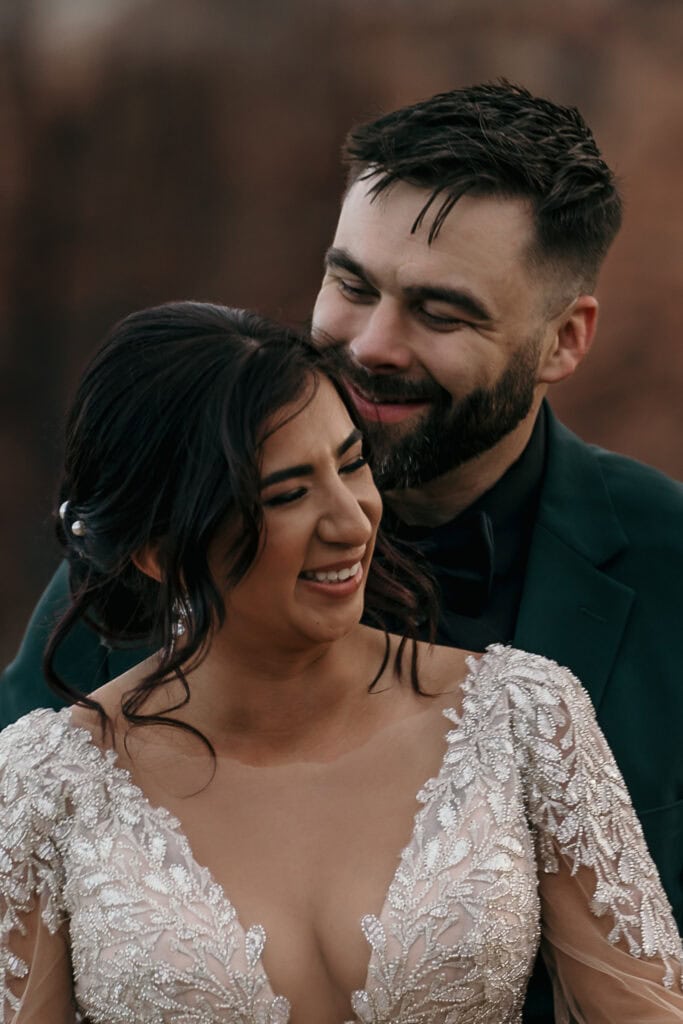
[(111, 695), (31, 736), (42, 758), (443, 670), (535, 678), (533, 685)]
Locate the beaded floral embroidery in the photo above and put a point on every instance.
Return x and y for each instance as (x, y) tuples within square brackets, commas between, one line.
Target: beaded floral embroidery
[(526, 779)]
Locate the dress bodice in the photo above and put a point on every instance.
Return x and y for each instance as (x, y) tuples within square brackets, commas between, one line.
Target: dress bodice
[(526, 819)]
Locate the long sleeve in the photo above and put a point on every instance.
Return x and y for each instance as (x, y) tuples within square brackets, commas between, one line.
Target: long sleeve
[(608, 933), (35, 973)]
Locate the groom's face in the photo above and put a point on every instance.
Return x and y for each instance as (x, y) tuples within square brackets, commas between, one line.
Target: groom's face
[(441, 342)]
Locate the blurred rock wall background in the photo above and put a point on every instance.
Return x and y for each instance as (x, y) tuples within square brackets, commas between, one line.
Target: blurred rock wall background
[(160, 149)]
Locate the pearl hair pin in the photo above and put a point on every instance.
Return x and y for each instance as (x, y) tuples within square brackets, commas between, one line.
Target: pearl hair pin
[(78, 526)]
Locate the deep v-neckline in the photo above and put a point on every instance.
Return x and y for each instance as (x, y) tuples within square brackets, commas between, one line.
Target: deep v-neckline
[(254, 937)]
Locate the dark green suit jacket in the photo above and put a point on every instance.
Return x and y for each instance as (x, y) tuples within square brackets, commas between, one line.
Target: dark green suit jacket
[(603, 594)]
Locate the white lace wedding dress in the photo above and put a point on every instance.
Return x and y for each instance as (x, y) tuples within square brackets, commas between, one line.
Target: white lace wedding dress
[(525, 833)]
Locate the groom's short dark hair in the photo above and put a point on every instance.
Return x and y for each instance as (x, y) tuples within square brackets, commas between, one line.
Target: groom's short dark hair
[(499, 140)]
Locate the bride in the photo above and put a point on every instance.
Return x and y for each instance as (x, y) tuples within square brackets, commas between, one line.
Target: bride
[(286, 815)]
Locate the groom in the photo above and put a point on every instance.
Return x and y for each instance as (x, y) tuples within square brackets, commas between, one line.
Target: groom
[(457, 290)]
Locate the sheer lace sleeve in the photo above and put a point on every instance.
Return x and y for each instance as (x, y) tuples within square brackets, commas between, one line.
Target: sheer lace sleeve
[(35, 974), (609, 935)]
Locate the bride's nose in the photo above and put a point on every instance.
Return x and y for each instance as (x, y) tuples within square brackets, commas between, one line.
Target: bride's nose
[(344, 521)]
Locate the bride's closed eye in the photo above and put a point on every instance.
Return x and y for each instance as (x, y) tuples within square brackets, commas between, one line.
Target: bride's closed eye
[(286, 498), (352, 467)]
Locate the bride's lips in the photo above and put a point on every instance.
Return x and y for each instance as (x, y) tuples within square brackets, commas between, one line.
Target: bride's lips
[(385, 412), (336, 589)]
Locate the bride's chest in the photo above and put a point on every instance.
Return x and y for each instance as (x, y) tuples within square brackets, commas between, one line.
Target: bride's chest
[(341, 874)]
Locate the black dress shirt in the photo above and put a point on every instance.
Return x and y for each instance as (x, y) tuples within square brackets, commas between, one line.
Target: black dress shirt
[(479, 558)]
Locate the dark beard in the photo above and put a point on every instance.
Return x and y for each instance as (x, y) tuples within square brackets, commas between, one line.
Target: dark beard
[(453, 432)]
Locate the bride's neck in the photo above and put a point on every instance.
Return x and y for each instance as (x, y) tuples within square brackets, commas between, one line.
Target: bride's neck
[(275, 703)]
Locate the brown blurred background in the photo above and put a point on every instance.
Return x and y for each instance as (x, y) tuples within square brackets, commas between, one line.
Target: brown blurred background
[(160, 149)]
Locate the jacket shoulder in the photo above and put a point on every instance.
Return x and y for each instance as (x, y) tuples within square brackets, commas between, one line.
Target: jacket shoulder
[(593, 486), (643, 497)]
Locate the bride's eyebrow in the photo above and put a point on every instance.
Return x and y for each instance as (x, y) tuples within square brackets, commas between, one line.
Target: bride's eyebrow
[(306, 468)]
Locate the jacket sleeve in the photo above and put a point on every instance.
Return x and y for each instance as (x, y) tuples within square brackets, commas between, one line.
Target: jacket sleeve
[(608, 934), (82, 656)]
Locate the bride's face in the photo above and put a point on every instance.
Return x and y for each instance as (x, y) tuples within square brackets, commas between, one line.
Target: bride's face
[(321, 511)]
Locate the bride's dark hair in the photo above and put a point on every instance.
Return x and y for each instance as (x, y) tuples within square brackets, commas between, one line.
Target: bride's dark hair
[(162, 448)]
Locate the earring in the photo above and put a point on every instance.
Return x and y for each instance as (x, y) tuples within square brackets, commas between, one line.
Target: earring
[(182, 609)]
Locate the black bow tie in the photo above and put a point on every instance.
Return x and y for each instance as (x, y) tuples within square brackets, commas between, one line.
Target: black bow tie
[(459, 555)]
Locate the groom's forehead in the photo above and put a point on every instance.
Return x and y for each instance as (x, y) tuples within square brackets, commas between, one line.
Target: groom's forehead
[(482, 236)]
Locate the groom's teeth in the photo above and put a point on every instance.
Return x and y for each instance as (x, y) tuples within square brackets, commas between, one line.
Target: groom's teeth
[(333, 576)]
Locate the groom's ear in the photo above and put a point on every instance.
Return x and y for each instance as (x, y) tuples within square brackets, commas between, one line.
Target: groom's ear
[(572, 336)]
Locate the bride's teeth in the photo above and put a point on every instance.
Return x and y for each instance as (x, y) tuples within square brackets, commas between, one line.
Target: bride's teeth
[(333, 576)]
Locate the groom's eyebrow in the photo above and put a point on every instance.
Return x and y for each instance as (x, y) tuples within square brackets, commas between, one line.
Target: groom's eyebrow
[(305, 468), (338, 258), (457, 297)]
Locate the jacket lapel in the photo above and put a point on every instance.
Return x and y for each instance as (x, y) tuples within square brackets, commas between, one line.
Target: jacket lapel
[(571, 609)]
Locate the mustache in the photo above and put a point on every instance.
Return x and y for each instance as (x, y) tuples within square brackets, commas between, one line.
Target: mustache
[(380, 387)]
